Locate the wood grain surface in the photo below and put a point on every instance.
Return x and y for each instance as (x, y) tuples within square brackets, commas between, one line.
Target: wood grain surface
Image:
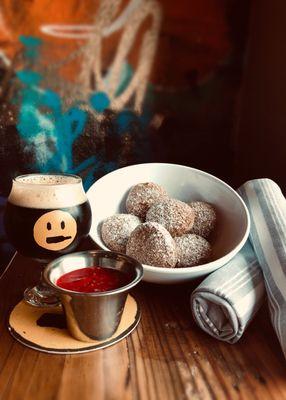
[(166, 357)]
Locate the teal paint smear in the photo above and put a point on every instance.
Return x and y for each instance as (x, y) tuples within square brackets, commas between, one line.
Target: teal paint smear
[(92, 163), (29, 77), (34, 127), (125, 78), (124, 121), (110, 166), (52, 100), (74, 122), (85, 164), (30, 41), (69, 126), (89, 178), (32, 53), (30, 121), (145, 119), (32, 45), (99, 101)]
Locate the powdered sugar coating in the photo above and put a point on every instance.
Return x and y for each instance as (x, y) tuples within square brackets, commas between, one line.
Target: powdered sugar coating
[(177, 217), (141, 197), (150, 243), (115, 230), (192, 250), (205, 218)]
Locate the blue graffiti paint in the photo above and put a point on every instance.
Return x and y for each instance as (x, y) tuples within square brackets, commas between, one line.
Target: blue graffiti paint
[(32, 45), (99, 101), (51, 131), (29, 77), (110, 166), (52, 101), (69, 126), (124, 121), (30, 41)]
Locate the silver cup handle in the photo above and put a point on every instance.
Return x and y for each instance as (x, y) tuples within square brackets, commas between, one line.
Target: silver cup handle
[(41, 295)]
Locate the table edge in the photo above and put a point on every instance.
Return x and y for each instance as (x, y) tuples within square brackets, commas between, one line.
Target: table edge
[(8, 265)]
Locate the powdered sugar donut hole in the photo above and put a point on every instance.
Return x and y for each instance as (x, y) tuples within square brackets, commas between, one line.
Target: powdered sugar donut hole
[(141, 197), (150, 243), (205, 218), (116, 229), (177, 217), (192, 250)]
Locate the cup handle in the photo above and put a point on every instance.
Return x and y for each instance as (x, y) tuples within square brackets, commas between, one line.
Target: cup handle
[(41, 295)]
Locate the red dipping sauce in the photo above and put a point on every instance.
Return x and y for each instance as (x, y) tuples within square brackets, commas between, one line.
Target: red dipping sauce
[(93, 279)]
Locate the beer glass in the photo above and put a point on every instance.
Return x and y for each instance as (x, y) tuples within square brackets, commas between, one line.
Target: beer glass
[(47, 215)]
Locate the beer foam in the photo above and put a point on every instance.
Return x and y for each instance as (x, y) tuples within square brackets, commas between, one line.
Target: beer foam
[(47, 191), (39, 179)]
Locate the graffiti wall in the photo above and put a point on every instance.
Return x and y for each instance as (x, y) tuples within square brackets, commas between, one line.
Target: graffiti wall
[(87, 87)]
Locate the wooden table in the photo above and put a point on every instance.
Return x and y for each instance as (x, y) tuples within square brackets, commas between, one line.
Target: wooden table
[(166, 357)]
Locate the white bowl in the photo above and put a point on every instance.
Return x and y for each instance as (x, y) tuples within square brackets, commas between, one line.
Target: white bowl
[(107, 197)]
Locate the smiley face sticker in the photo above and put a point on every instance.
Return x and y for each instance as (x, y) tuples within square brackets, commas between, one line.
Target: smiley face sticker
[(55, 230)]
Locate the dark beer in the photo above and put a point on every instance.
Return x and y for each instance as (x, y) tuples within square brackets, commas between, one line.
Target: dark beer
[(19, 223), (47, 215)]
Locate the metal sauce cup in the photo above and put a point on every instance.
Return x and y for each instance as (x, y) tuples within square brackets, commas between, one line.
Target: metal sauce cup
[(93, 316)]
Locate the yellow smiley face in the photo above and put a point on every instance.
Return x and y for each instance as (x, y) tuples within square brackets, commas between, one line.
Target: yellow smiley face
[(55, 230)]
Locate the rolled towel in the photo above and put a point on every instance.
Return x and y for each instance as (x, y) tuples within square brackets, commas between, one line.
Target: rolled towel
[(227, 300), (267, 208)]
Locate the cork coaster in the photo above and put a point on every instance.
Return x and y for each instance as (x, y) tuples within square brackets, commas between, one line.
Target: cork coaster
[(44, 329)]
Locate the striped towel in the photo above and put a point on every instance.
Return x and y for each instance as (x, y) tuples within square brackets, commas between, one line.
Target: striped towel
[(267, 208), (227, 300), (224, 306)]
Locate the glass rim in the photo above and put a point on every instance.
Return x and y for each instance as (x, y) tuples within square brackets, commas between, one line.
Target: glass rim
[(77, 179)]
